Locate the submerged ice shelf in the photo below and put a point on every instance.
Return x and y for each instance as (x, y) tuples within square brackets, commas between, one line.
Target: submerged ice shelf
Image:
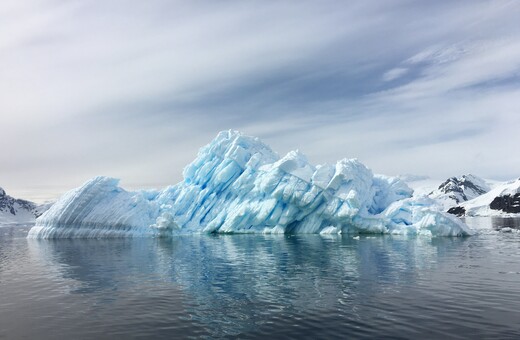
[(237, 184)]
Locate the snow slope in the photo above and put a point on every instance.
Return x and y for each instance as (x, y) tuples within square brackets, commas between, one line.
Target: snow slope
[(237, 184), (421, 185), (457, 190), (470, 195), (503, 200), (17, 211), (452, 194)]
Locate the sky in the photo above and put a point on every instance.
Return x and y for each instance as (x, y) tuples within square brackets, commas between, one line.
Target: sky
[(132, 89)]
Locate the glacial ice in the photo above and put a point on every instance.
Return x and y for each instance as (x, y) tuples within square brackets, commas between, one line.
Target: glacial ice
[(237, 184)]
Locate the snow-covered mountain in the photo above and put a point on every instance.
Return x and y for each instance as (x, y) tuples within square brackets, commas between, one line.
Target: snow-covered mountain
[(502, 200), (456, 190), (469, 195), (19, 211)]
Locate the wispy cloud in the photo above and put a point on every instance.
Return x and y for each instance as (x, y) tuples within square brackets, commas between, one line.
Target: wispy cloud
[(132, 89), (394, 73)]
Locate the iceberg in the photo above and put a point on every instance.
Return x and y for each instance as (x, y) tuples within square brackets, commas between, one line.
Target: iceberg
[(237, 184)]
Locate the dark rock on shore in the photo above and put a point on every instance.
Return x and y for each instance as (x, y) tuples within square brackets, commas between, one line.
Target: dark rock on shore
[(457, 211), (506, 203)]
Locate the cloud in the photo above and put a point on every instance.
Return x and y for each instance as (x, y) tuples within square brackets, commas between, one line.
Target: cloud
[(394, 73), (132, 89)]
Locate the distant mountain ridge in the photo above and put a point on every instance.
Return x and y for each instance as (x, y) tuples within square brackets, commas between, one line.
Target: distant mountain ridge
[(470, 195), (14, 210), (502, 200), (456, 190)]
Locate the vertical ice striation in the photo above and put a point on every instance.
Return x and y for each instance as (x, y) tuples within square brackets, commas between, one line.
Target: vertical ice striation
[(237, 184), (99, 208)]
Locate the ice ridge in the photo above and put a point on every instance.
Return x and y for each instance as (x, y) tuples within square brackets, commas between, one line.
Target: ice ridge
[(237, 184)]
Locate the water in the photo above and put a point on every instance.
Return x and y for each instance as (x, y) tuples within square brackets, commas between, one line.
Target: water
[(254, 286)]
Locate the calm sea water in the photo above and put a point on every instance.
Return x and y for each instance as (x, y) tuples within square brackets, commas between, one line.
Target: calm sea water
[(255, 286)]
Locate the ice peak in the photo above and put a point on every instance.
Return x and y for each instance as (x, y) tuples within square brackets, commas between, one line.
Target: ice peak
[(296, 164), (228, 140), (237, 184)]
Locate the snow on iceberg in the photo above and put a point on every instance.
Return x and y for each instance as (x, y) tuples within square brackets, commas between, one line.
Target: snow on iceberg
[(237, 184)]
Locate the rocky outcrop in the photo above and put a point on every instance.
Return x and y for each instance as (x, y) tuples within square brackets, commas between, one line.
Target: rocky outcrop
[(457, 211), (507, 203)]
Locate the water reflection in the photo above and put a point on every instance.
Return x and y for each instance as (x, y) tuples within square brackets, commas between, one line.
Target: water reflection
[(230, 285), (492, 223), (9, 251)]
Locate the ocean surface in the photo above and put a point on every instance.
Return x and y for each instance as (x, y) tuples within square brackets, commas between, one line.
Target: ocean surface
[(258, 286)]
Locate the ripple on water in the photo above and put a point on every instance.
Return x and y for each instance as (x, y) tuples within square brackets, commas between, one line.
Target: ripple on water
[(254, 286)]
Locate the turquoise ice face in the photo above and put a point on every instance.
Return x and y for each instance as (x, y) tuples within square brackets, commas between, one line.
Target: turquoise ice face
[(237, 184)]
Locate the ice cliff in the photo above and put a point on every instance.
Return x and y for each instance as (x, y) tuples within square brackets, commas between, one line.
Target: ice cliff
[(237, 184)]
